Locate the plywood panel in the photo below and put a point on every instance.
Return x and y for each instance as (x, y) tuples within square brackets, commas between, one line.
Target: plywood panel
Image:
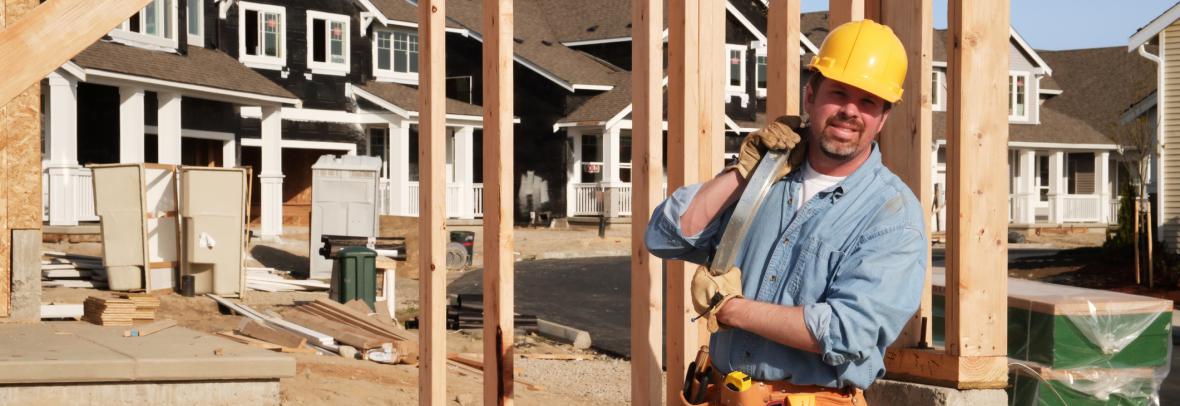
[(977, 194)]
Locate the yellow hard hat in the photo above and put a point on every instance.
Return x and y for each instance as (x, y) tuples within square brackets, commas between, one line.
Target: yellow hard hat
[(866, 55)]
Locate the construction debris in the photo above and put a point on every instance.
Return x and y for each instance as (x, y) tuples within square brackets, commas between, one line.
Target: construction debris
[(149, 329), (121, 311), (271, 280), (61, 311), (59, 269)]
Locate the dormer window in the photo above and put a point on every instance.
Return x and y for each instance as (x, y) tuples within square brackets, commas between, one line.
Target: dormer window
[(262, 42), (735, 74), (396, 55), (196, 22), (155, 26), (1018, 96), (327, 43)]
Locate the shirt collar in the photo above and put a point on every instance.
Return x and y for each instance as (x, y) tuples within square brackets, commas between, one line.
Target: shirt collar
[(858, 179)]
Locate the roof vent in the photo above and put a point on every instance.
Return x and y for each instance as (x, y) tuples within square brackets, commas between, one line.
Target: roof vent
[(592, 28), (547, 43)]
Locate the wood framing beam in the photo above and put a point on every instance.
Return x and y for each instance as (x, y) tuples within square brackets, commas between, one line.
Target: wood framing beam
[(906, 140), (936, 367), (647, 174), (683, 169), (432, 144), (711, 62), (782, 59), (842, 11), (53, 32), (977, 193), (498, 209)]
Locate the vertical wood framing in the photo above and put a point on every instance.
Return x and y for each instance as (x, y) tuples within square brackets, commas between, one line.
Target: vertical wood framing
[(683, 146), (646, 294), (782, 59), (498, 210), (711, 60), (906, 140), (977, 255), (432, 203), (52, 32), (842, 11)]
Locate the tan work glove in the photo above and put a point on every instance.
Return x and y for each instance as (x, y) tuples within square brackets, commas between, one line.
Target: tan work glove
[(778, 135), (710, 293)]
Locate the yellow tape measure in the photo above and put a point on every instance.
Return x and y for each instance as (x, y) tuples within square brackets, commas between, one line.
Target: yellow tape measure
[(805, 399), (737, 381)]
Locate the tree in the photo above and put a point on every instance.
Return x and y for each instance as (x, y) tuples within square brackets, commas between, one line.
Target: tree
[(1136, 144)]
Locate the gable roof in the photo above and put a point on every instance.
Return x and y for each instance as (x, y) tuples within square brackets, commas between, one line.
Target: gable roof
[(200, 67), (405, 99), (1153, 28), (536, 46), (1099, 84)]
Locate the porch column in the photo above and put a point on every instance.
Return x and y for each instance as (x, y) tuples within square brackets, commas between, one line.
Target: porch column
[(130, 125), (1028, 187), (271, 177), (610, 171), (464, 171), (573, 173), (62, 165), (1102, 185), (399, 168), (1057, 187), (168, 128), (229, 154)]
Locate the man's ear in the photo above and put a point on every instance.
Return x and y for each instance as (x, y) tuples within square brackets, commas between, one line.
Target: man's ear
[(808, 94), (884, 119)]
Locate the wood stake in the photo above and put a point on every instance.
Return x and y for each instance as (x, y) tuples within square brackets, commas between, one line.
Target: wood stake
[(432, 205), (977, 249), (498, 285), (646, 294)]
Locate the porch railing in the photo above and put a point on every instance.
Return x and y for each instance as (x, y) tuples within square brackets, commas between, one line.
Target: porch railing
[(83, 188), (589, 198), (455, 194), (1081, 208)]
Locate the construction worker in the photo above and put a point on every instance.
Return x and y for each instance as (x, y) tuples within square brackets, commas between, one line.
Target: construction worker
[(833, 264)]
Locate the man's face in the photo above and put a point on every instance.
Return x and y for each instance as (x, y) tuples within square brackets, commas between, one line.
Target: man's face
[(844, 119)]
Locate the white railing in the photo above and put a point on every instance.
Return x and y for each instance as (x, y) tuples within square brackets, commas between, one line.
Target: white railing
[(461, 202), (83, 191), (622, 196), (1115, 204), (1081, 208), (384, 199), (587, 199)]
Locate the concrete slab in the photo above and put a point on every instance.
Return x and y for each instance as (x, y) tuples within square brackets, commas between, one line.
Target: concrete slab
[(886, 392), (139, 393), (74, 352)]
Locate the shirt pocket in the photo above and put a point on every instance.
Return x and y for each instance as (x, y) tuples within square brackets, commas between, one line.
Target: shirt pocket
[(814, 272)]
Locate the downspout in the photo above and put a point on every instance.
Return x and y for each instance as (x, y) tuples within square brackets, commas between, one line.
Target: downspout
[(1159, 133)]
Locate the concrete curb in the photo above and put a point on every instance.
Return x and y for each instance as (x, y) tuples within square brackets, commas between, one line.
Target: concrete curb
[(579, 338)]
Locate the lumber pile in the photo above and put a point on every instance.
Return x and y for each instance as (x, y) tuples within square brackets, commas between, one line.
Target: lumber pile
[(1078, 345), (356, 326), (271, 280), (466, 313), (121, 311), (59, 269)]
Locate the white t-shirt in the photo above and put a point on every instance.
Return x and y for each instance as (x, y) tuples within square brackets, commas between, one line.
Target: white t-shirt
[(813, 183)]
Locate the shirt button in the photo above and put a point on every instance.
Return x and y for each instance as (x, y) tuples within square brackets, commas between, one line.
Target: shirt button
[(773, 278), (786, 241)]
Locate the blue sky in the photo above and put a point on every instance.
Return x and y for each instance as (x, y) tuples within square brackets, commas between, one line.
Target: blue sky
[(1065, 24)]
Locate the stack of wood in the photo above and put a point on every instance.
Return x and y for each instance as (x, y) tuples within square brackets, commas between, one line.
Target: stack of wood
[(466, 313), (72, 271), (121, 311), (356, 325), (271, 280)]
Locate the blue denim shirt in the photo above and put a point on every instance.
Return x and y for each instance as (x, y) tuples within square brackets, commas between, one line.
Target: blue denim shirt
[(854, 257)]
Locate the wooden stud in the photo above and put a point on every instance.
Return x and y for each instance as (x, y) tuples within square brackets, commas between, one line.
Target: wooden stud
[(432, 204), (711, 65), (977, 249), (52, 32), (683, 124), (646, 294), (907, 137), (782, 59), (843, 11), (935, 367), (498, 209)]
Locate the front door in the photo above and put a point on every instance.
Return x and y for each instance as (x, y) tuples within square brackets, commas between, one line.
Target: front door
[(1041, 187)]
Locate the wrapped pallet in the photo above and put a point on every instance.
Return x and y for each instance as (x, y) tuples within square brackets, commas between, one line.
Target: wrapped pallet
[(1078, 346)]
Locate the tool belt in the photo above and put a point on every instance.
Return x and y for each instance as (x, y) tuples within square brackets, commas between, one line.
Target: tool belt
[(780, 393)]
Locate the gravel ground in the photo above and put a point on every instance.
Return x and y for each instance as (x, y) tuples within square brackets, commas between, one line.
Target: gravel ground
[(603, 380)]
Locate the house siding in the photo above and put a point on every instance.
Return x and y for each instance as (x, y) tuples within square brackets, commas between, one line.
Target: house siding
[(1170, 50)]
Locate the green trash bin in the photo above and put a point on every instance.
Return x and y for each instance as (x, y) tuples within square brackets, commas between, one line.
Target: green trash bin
[(354, 276)]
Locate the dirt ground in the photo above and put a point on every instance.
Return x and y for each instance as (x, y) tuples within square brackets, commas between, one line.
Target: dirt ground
[(330, 379)]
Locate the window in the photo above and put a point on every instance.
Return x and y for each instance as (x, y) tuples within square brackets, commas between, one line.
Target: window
[(760, 75), (397, 55), (625, 156), (154, 25), (327, 43), (1017, 96), (196, 22), (591, 158), (262, 43), (938, 92), (735, 76), (379, 147)]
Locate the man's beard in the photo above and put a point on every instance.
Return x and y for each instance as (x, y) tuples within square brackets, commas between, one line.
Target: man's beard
[(838, 150)]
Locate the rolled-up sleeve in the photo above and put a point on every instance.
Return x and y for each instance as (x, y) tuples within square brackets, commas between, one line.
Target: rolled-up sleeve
[(665, 239), (876, 290)]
